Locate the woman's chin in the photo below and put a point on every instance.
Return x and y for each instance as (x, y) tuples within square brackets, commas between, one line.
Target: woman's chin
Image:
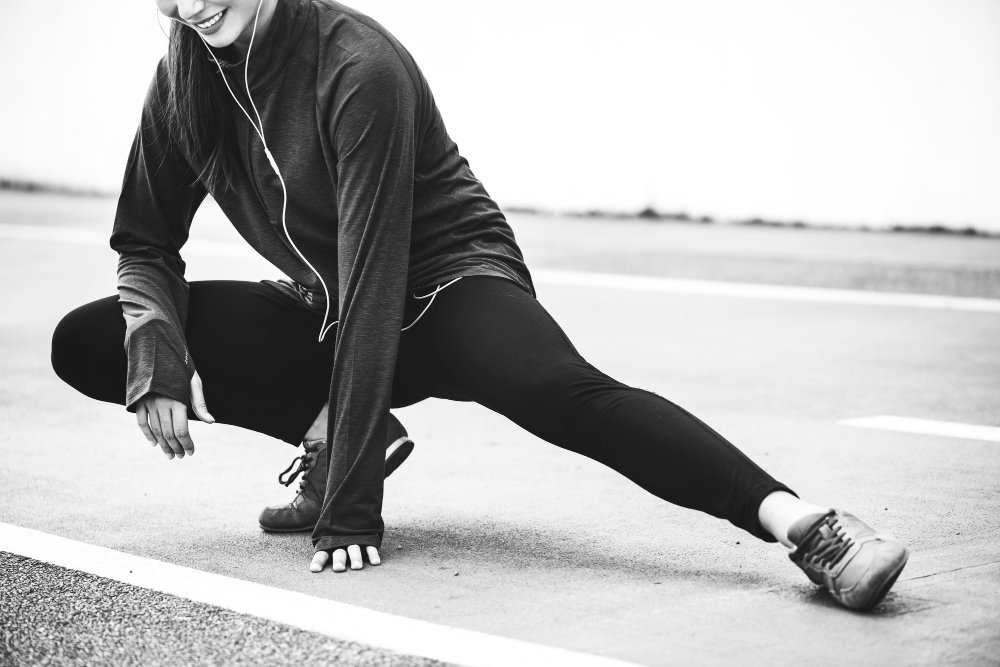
[(221, 39)]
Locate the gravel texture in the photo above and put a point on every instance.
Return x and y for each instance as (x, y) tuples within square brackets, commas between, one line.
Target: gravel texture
[(53, 616)]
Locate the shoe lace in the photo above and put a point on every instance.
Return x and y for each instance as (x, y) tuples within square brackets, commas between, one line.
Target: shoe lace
[(305, 463), (828, 547)]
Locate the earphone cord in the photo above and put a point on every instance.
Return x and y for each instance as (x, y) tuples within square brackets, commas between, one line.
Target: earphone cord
[(259, 129), (431, 296)]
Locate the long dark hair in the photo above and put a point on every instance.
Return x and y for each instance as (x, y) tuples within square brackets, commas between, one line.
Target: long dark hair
[(199, 112)]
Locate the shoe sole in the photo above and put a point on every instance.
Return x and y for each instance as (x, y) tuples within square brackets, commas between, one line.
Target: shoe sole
[(886, 585), (304, 529), (395, 454)]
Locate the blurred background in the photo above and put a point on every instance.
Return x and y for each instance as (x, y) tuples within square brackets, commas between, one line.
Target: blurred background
[(849, 113)]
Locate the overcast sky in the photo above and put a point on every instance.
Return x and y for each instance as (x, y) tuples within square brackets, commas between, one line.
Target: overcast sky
[(847, 111)]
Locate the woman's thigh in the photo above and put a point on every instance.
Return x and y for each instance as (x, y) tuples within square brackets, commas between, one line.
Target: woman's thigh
[(493, 343), (251, 333), (498, 346), (235, 330), (256, 349)]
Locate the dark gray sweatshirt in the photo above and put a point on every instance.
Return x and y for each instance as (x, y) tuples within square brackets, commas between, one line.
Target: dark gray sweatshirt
[(380, 202)]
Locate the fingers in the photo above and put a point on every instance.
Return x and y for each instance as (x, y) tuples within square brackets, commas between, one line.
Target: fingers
[(157, 430), (354, 553), (373, 556), (341, 557), (339, 563), (319, 561), (198, 401), (167, 425), (163, 421), (142, 417), (180, 420)]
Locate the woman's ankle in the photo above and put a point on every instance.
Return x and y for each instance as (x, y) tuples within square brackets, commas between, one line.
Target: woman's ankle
[(318, 429), (779, 510)]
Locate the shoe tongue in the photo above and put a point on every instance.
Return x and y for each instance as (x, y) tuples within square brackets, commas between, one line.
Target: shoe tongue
[(803, 526)]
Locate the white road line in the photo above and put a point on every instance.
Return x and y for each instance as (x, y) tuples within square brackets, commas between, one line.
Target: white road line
[(89, 237), (334, 619), (759, 291), (619, 281), (927, 427)]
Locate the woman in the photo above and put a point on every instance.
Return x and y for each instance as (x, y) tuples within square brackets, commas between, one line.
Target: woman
[(316, 133)]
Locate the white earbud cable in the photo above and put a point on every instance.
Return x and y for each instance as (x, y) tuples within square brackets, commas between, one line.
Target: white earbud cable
[(431, 296), (259, 129)]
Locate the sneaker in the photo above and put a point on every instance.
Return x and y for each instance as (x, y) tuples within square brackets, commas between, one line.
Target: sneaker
[(302, 512), (856, 564)]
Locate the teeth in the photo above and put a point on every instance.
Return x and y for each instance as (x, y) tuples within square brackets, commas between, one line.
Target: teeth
[(210, 22)]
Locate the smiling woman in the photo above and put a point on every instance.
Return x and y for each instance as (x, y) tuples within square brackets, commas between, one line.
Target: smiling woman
[(318, 136), (221, 24), (200, 113)]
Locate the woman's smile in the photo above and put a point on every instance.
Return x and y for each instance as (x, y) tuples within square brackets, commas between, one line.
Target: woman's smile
[(222, 23), (212, 22)]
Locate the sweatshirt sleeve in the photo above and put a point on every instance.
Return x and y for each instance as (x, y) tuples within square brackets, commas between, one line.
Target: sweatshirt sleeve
[(372, 131), (159, 197)]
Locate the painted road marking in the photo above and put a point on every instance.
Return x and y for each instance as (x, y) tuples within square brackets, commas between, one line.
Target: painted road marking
[(48, 234), (89, 237), (335, 619), (927, 427), (760, 291)]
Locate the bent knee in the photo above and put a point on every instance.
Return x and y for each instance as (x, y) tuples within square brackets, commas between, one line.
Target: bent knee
[(64, 351), (87, 338)]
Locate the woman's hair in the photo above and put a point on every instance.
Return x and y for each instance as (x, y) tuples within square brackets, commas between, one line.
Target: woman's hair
[(199, 111)]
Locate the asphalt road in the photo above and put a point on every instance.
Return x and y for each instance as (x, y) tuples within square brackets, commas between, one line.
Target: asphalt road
[(51, 615), (490, 529)]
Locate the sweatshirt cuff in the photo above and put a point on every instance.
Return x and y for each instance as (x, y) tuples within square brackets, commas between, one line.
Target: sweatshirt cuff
[(169, 392), (157, 364), (341, 542)]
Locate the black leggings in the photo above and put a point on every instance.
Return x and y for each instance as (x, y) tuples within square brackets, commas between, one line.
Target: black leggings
[(484, 340)]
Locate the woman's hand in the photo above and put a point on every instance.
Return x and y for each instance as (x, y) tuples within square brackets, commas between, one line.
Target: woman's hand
[(164, 421), (338, 562)]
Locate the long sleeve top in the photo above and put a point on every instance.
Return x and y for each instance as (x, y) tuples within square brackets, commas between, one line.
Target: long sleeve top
[(380, 202)]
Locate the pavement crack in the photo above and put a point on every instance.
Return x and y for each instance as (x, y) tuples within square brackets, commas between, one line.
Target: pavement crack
[(957, 569)]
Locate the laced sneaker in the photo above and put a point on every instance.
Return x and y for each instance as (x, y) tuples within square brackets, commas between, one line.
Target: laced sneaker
[(302, 512), (856, 564)]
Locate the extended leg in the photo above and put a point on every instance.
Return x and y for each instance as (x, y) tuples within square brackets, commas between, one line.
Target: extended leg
[(499, 347)]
